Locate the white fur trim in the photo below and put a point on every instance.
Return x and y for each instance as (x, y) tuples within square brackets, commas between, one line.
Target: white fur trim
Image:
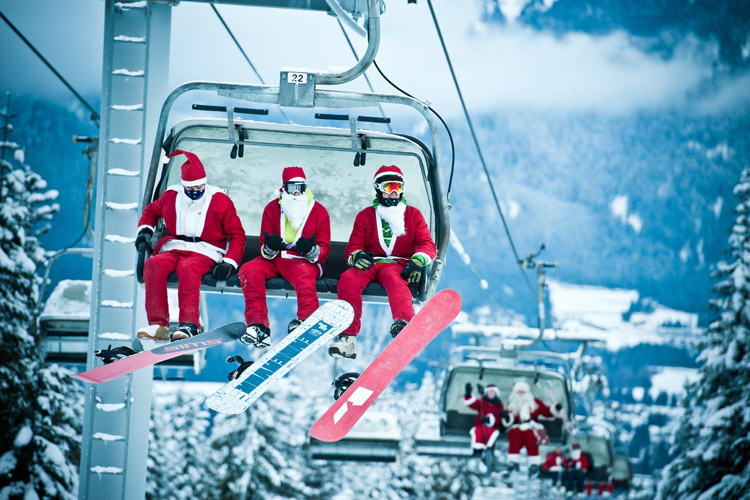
[(145, 226), (429, 261), (493, 438), (231, 262), (470, 400), (196, 182)]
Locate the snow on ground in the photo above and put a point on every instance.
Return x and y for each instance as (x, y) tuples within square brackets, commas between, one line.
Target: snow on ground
[(671, 380), (71, 299)]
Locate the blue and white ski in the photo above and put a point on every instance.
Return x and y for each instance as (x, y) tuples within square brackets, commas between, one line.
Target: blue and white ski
[(327, 321)]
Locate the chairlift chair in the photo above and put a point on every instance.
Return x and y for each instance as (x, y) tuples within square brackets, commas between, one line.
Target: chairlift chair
[(247, 157)]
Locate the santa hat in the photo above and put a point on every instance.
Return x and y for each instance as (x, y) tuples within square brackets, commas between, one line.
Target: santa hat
[(521, 386), (293, 174), (575, 446), (193, 173), (388, 170), (492, 387)]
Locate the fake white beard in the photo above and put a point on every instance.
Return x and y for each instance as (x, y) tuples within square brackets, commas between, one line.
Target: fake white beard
[(522, 405), (295, 208), (395, 217), (575, 454)]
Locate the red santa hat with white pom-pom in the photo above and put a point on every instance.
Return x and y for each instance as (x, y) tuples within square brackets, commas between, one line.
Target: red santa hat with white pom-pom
[(193, 173)]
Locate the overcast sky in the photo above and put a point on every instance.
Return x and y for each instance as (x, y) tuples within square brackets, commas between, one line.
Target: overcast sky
[(498, 67)]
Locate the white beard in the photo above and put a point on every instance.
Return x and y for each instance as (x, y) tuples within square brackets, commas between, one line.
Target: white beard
[(295, 208), (522, 405), (395, 217)]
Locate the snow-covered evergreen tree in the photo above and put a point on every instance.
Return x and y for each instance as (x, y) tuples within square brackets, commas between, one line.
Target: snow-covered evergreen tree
[(40, 406), (714, 457)]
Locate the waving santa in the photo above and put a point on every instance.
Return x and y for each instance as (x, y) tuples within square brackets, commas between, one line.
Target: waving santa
[(522, 418)]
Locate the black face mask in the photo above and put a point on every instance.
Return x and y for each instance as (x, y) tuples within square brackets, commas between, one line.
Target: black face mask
[(387, 202), (194, 195)]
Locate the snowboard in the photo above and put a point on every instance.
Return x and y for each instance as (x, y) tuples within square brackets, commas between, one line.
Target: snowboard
[(221, 335), (328, 320), (435, 315)]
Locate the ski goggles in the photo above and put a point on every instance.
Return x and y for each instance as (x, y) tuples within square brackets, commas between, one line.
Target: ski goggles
[(388, 187), (295, 187)]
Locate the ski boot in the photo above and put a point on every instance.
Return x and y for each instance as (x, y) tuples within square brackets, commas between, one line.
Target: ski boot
[(257, 335), (342, 383), (396, 327), (110, 355), (154, 332), (293, 325), (244, 365), (184, 331), (344, 347)]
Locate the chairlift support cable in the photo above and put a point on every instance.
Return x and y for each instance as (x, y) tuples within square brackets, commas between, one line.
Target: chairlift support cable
[(476, 144), (242, 51), (367, 79), (447, 129), (94, 114)]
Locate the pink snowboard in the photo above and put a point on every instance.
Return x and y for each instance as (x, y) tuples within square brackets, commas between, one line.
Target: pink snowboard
[(434, 316)]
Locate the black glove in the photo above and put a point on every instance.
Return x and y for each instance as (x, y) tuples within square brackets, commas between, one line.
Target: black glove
[(480, 389), (144, 236), (363, 260), (413, 272), (273, 241), (485, 419), (504, 415), (467, 390), (222, 271), (303, 245)]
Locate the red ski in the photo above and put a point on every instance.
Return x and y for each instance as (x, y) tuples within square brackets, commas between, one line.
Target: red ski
[(434, 316), (227, 333)]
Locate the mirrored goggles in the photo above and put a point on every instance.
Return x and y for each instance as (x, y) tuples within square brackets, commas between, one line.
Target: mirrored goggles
[(388, 187), (292, 187)]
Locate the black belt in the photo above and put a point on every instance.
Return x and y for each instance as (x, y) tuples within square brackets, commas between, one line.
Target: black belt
[(194, 239)]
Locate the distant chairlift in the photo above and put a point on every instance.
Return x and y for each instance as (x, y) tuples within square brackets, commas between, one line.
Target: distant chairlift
[(247, 157), (64, 325), (375, 438), (486, 366)]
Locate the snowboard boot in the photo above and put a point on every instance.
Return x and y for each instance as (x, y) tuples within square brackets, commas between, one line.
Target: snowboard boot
[(257, 335), (293, 325), (396, 327), (154, 332), (344, 347), (185, 331)]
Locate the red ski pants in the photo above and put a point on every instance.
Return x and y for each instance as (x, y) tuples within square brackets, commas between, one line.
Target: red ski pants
[(517, 439), (300, 273), (482, 436), (190, 267), (353, 282)]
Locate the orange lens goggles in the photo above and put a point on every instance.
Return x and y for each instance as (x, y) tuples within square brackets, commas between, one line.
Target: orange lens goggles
[(391, 187)]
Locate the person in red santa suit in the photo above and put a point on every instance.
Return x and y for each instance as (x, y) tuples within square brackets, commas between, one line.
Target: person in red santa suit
[(389, 244), (556, 465), (578, 465), (295, 242), (203, 233), (524, 411), (489, 409)]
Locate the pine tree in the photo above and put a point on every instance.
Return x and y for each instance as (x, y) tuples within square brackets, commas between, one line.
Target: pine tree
[(713, 460), (40, 406)]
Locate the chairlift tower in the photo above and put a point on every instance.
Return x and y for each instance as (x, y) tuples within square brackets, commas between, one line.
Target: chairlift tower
[(135, 72)]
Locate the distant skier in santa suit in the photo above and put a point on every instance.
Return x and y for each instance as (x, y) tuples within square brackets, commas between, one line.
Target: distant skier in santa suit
[(524, 412), (489, 410), (203, 233), (295, 240), (389, 244)]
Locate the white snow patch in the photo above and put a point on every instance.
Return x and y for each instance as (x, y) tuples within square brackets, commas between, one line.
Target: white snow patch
[(100, 469), (132, 107), (19, 155), (684, 252), (117, 304), (7, 462), (635, 222), (121, 206), (717, 205), (638, 393), (483, 283), (127, 72), (514, 209), (23, 437), (116, 273), (618, 207), (107, 437), (116, 238), (71, 299), (672, 380), (110, 406), (721, 150), (121, 140), (114, 336), (131, 39), (122, 171)]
